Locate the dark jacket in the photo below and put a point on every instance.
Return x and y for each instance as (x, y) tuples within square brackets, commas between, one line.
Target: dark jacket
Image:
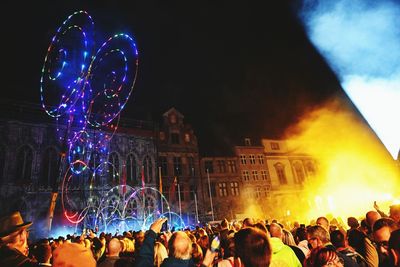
[(146, 253), (14, 258)]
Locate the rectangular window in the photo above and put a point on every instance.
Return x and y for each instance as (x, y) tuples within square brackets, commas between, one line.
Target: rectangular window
[(281, 175), (175, 138), (261, 159), (231, 166), (255, 175), (187, 138), (252, 159), (259, 192), (191, 170), (243, 159), (266, 191), (223, 192), (208, 166), (177, 166), (274, 145), (234, 188), (247, 142), (221, 166), (264, 175), (246, 175), (164, 165), (213, 191)]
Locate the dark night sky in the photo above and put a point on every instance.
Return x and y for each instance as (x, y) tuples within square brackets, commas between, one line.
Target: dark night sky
[(233, 68)]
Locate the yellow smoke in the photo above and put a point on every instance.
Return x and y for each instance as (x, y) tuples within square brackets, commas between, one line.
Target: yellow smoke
[(353, 167)]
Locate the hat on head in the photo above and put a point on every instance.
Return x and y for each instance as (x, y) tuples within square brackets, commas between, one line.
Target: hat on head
[(12, 223)]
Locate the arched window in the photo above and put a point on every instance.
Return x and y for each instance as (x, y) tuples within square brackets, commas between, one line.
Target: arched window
[(24, 164), (113, 171), (298, 168), (94, 162), (310, 169), (49, 173), (131, 170), (2, 162), (280, 171), (148, 169)]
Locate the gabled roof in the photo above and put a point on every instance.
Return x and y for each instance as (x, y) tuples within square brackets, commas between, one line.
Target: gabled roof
[(173, 110)]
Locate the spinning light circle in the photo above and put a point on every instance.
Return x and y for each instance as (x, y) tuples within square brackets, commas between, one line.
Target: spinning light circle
[(109, 78), (86, 92), (66, 63)]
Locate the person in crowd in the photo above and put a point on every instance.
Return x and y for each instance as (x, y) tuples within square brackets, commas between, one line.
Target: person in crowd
[(262, 227), (145, 256), (179, 250), (381, 231), (323, 257), (73, 255), (229, 254), (363, 226), (296, 225), (99, 248), (288, 239), (223, 233), (113, 250), (197, 254), (324, 222), (129, 248), (248, 222), (353, 223), (14, 247), (394, 213), (252, 248), (282, 255), (363, 245), (236, 226), (318, 236), (371, 217), (160, 253), (339, 241), (394, 248), (301, 240), (42, 253), (203, 240)]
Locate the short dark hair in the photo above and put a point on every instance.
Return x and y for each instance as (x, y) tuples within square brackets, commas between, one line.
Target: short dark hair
[(42, 252), (383, 222), (337, 238), (252, 247)]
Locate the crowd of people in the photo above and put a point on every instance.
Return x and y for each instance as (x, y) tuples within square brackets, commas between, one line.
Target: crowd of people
[(371, 241)]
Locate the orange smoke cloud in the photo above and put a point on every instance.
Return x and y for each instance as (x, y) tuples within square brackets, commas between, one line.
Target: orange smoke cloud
[(354, 168)]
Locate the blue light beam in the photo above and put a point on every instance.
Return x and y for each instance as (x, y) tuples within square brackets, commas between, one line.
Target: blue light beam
[(360, 39)]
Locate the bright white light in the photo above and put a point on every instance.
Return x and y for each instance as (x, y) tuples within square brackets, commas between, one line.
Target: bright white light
[(360, 39), (379, 102)]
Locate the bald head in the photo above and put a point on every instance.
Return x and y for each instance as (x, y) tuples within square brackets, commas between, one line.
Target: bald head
[(114, 247), (180, 246), (371, 217), (275, 230)]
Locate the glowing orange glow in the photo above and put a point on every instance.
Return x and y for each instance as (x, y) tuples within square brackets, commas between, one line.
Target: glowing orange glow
[(354, 168)]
